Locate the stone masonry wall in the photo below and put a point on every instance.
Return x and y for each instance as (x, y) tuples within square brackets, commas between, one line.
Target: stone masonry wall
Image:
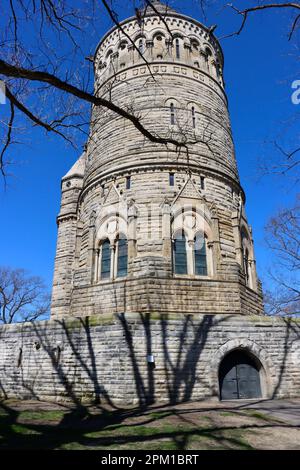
[(105, 358)]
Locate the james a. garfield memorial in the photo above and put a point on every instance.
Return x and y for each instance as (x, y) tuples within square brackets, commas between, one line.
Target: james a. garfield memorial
[(155, 292)]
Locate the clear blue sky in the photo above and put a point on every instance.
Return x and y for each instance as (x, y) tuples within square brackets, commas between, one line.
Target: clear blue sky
[(260, 66)]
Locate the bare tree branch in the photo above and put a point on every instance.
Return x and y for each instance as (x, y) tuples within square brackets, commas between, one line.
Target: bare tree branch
[(22, 297), (245, 13), (8, 138), (10, 70)]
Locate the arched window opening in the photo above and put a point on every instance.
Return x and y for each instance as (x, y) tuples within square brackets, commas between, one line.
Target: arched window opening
[(105, 259), (122, 257), (196, 64), (141, 46), (246, 265), (171, 179), (180, 254), (202, 182), (200, 256), (128, 182), (194, 117), (172, 113), (177, 47), (109, 57), (208, 52), (123, 45)]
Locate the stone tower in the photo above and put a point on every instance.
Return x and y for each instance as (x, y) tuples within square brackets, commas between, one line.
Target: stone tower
[(151, 227), (155, 293)]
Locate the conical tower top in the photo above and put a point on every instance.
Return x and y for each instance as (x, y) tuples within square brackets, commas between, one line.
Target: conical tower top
[(159, 6)]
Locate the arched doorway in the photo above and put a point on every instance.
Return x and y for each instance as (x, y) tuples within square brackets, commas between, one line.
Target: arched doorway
[(239, 376)]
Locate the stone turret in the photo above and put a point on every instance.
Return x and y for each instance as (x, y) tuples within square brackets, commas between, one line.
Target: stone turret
[(147, 227)]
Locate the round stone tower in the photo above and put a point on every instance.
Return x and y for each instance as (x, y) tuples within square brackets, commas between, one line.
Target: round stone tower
[(156, 227)]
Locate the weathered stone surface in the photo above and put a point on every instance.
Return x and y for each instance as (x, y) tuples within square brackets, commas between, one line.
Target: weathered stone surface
[(105, 357), (98, 203)]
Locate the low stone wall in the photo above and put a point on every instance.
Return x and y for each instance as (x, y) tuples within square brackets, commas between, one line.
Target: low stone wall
[(105, 358)]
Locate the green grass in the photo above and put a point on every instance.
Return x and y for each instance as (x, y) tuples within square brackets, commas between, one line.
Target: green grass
[(40, 415), (262, 416), (99, 429)]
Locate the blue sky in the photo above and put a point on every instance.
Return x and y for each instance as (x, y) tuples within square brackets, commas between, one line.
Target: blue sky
[(260, 66)]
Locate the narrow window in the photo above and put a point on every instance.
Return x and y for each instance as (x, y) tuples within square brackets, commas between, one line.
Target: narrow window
[(194, 117), (128, 182), (105, 260), (179, 254), (202, 182), (177, 49), (200, 256), (122, 257), (246, 265), (141, 46), (172, 113), (171, 179)]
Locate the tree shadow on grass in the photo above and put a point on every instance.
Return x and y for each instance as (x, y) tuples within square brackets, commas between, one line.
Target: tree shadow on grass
[(101, 428), (106, 425)]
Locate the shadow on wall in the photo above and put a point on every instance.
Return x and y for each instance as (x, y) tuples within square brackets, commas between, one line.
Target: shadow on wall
[(75, 369), (106, 363)]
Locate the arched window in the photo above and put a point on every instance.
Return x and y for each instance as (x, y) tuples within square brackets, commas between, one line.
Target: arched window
[(109, 57), (177, 47), (246, 263), (200, 258), (194, 117), (172, 113), (105, 260), (179, 254), (195, 44), (141, 46), (123, 45), (122, 257)]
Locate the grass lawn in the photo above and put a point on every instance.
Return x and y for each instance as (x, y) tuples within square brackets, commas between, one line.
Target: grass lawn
[(189, 426)]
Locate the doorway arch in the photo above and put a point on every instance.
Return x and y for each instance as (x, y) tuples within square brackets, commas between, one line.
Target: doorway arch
[(240, 376)]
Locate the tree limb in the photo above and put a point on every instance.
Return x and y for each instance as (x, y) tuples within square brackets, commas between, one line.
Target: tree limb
[(247, 11), (10, 70)]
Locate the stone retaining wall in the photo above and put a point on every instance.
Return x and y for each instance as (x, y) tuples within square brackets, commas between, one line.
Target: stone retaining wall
[(105, 358)]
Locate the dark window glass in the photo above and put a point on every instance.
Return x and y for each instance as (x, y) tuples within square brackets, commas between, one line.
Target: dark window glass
[(202, 182), (171, 179), (105, 260), (122, 258), (200, 256), (177, 49), (128, 182), (179, 255), (172, 111), (141, 46), (194, 117)]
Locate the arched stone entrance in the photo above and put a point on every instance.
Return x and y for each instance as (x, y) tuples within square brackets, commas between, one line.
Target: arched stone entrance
[(239, 376)]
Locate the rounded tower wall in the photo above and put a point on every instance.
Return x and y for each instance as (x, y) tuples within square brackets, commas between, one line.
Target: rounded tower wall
[(157, 227), (148, 90)]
